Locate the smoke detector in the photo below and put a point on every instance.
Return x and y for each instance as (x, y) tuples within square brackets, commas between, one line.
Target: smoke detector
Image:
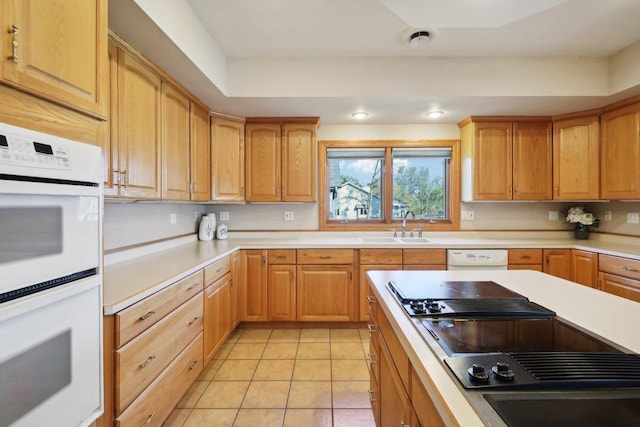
[(415, 37)]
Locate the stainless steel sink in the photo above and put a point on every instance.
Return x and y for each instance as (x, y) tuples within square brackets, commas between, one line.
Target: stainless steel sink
[(415, 240)]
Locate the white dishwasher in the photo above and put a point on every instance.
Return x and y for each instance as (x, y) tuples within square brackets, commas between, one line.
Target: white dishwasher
[(477, 259)]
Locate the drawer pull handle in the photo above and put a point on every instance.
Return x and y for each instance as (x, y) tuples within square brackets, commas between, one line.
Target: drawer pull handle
[(634, 270), (370, 357), (219, 270), (280, 257), (525, 257), (149, 314), (325, 256), (371, 393), (193, 365), (371, 328), (146, 362), (371, 299), (194, 320), (149, 418), (193, 286), (402, 424)]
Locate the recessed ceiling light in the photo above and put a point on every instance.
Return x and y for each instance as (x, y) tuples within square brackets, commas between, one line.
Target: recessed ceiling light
[(360, 115), (434, 114)]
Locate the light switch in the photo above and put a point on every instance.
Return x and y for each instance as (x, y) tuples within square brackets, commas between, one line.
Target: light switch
[(224, 215)]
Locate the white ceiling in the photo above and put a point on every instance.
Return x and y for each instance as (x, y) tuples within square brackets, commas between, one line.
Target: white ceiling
[(329, 58)]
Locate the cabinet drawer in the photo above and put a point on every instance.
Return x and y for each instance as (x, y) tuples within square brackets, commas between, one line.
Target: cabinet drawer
[(424, 256), (216, 270), (132, 321), (624, 267), (155, 404), (380, 256), (281, 256), (324, 256), (621, 286), (525, 256), (141, 360)]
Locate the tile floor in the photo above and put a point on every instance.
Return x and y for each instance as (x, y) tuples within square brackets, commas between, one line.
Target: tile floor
[(282, 377)]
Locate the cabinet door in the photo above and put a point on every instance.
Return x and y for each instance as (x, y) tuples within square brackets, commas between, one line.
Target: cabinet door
[(58, 51), (557, 262), (175, 144), (299, 162), (227, 160), (325, 293), (620, 160), (423, 404), (200, 153), (262, 162), (253, 289), (492, 161), (138, 129), (576, 165), (281, 293), (235, 283), (110, 146), (585, 267), (395, 408), (532, 161), (217, 325), (363, 288)]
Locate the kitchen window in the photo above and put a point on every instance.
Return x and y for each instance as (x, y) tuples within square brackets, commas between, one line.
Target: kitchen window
[(371, 185)]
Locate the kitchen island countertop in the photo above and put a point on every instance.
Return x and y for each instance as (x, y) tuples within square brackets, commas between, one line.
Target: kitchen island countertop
[(607, 315)]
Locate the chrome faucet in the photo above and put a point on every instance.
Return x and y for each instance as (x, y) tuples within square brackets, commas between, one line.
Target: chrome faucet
[(404, 222)]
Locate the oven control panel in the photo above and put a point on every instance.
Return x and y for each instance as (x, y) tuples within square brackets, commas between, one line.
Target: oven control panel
[(20, 151), (489, 371)]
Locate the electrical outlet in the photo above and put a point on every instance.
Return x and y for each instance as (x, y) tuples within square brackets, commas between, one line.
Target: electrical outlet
[(224, 215), (173, 219), (553, 215), (607, 215), (633, 218), (288, 215), (467, 215)]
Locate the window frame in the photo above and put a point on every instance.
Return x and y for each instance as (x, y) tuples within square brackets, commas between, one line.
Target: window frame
[(387, 223)]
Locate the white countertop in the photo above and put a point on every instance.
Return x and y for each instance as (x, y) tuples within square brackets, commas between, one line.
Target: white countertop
[(131, 275), (609, 316)]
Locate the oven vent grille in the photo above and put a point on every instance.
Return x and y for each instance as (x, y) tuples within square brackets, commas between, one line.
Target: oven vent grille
[(497, 307), (597, 369)]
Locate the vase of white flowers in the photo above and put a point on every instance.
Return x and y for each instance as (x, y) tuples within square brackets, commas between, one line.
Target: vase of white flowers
[(582, 220)]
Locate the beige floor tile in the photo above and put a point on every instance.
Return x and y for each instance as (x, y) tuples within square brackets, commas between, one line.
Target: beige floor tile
[(285, 335), (345, 335), (280, 350), (236, 370), (224, 350), (259, 418), (210, 370), (307, 418), (177, 418), (310, 394), (192, 396), (353, 418), (272, 370), (347, 350), (349, 370), (223, 394), (266, 394), (244, 350), (314, 350), (234, 335), (364, 333), (312, 370), (255, 335), (315, 335), (211, 418), (350, 394)]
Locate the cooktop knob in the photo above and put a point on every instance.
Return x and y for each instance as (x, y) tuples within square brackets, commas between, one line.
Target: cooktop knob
[(502, 371), (418, 307), (477, 374), (434, 307)]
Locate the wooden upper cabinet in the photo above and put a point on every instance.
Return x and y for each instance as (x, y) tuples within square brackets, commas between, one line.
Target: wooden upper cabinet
[(299, 162), (281, 161), (175, 144), (200, 152), (506, 160), (576, 159), (532, 161), (139, 130), (620, 158), (57, 50), (110, 145), (227, 160), (262, 162)]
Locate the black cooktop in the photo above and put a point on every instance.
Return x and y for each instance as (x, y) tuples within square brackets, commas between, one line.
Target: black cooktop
[(449, 289)]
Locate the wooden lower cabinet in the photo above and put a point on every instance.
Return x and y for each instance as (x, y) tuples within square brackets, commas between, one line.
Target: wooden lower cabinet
[(325, 293), (584, 266), (425, 410), (235, 283), (217, 323), (281, 292), (557, 262), (155, 404), (525, 259), (395, 406), (619, 276), (253, 288), (424, 259)]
